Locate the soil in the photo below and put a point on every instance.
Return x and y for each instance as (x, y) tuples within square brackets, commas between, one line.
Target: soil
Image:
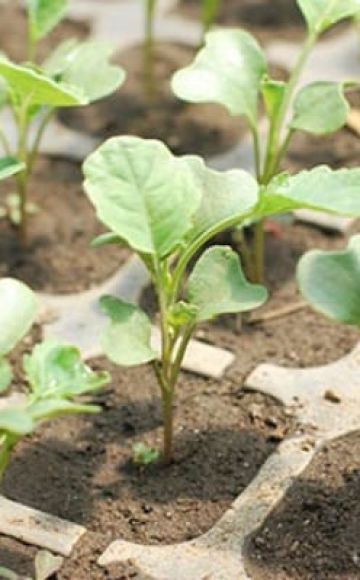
[(268, 20), (315, 531), (13, 32), (58, 257), (156, 112)]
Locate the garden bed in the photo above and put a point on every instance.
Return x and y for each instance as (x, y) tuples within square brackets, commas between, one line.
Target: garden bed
[(58, 257)]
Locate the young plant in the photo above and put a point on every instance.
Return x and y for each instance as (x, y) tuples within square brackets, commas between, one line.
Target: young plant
[(166, 209), (330, 282), (54, 373), (76, 74), (231, 70)]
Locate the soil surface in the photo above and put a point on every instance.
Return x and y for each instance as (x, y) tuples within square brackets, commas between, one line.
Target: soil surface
[(150, 110), (268, 20), (13, 33), (57, 257), (315, 531), (81, 469)]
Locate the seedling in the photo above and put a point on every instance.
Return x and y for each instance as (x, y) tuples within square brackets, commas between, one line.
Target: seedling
[(330, 282), (166, 208), (54, 373), (231, 70), (76, 74)]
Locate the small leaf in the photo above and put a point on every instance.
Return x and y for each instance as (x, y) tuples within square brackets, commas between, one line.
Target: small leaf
[(321, 14), (44, 15), (46, 564), (228, 71), (182, 313), (9, 166), (142, 193), (18, 308), (273, 93), (56, 371), (127, 339), (85, 65), (225, 195), (16, 421), (106, 239), (320, 108), (231, 292), (6, 374), (144, 455), (330, 282), (321, 189), (38, 89)]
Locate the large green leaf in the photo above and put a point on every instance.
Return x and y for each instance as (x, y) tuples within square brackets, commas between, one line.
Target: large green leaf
[(38, 89), (9, 166), (322, 189), (56, 371), (142, 193), (217, 285), (224, 195), (44, 15), (321, 14), (18, 308), (330, 282), (16, 422), (228, 71), (320, 108), (85, 65), (126, 341)]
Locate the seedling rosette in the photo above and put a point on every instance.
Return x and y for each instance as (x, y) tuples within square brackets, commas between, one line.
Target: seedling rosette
[(76, 74), (231, 70)]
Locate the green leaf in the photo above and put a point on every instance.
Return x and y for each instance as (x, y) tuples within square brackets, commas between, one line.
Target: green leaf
[(144, 455), (46, 564), (18, 308), (7, 574), (6, 374), (182, 313), (16, 422), (52, 408), (228, 71), (142, 193), (224, 195), (85, 65), (9, 166), (273, 93), (321, 189), (106, 239), (321, 14), (126, 341), (330, 282), (217, 285), (44, 15), (57, 371), (38, 89), (320, 108)]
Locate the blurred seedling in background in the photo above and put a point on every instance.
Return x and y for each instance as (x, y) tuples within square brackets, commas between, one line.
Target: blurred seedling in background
[(231, 70), (75, 74)]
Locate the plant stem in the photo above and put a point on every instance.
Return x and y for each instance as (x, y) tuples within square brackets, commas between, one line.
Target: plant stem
[(168, 418), (210, 10), (6, 448), (149, 81), (276, 150)]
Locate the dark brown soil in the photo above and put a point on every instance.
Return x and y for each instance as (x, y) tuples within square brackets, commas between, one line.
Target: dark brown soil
[(268, 20), (80, 468), (58, 256), (13, 33), (186, 128), (315, 531)]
